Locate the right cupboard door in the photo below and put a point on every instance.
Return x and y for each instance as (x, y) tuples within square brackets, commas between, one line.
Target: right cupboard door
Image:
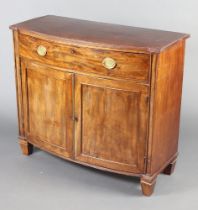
[(111, 123)]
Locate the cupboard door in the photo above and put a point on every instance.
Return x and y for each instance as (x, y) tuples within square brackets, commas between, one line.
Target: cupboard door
[(111, 123), (48, 107)]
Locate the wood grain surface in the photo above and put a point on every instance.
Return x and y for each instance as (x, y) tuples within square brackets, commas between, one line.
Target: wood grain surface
[(166, 107), (111, 127), (48, 112), (103, 35), (87, 60)]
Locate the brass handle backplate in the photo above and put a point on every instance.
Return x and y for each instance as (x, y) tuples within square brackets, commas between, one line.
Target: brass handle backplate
[(109, 63), (41, 50)]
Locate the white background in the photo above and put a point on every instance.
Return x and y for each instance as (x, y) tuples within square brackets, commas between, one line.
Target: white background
[(45, 182)]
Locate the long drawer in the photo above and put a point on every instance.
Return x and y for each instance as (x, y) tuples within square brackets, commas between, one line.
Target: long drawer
[(117, 64)]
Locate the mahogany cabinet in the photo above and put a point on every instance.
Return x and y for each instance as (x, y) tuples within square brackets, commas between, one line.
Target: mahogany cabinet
[(102, 95)]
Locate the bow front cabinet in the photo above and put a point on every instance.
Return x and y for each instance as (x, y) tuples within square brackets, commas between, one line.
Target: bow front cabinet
[(102, 95)]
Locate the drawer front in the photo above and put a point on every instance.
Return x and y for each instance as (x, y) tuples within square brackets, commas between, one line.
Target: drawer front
[(121, 65)]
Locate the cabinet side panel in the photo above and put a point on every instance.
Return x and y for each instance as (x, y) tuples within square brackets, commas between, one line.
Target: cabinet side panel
[(18, 84), (166, 106)]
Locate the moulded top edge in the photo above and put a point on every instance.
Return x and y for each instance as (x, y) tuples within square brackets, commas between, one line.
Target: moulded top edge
[(96, 34)]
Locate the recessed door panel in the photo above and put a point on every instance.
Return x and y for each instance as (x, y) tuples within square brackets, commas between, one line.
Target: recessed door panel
[(48, 105), (111, 129)]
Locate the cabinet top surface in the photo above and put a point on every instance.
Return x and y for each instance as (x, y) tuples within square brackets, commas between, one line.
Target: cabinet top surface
[(104, 35)]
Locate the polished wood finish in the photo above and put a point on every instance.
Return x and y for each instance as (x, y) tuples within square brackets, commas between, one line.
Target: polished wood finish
[(102, 35), (166, 101), (47, 95), (88, 60), (148, 184), (112, 121), (121, 117)]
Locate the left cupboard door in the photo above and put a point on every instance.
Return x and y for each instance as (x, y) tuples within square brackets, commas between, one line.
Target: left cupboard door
[(47, 106)]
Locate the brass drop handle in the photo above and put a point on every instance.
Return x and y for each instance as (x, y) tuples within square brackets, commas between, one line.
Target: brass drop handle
[(109, 63), (41, 50)]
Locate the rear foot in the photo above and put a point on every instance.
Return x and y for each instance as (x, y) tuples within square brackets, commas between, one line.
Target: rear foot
[(26, 147), (169, 168)]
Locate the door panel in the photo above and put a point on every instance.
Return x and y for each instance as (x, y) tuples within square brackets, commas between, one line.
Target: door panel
[(48, 105), (112, 123)]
